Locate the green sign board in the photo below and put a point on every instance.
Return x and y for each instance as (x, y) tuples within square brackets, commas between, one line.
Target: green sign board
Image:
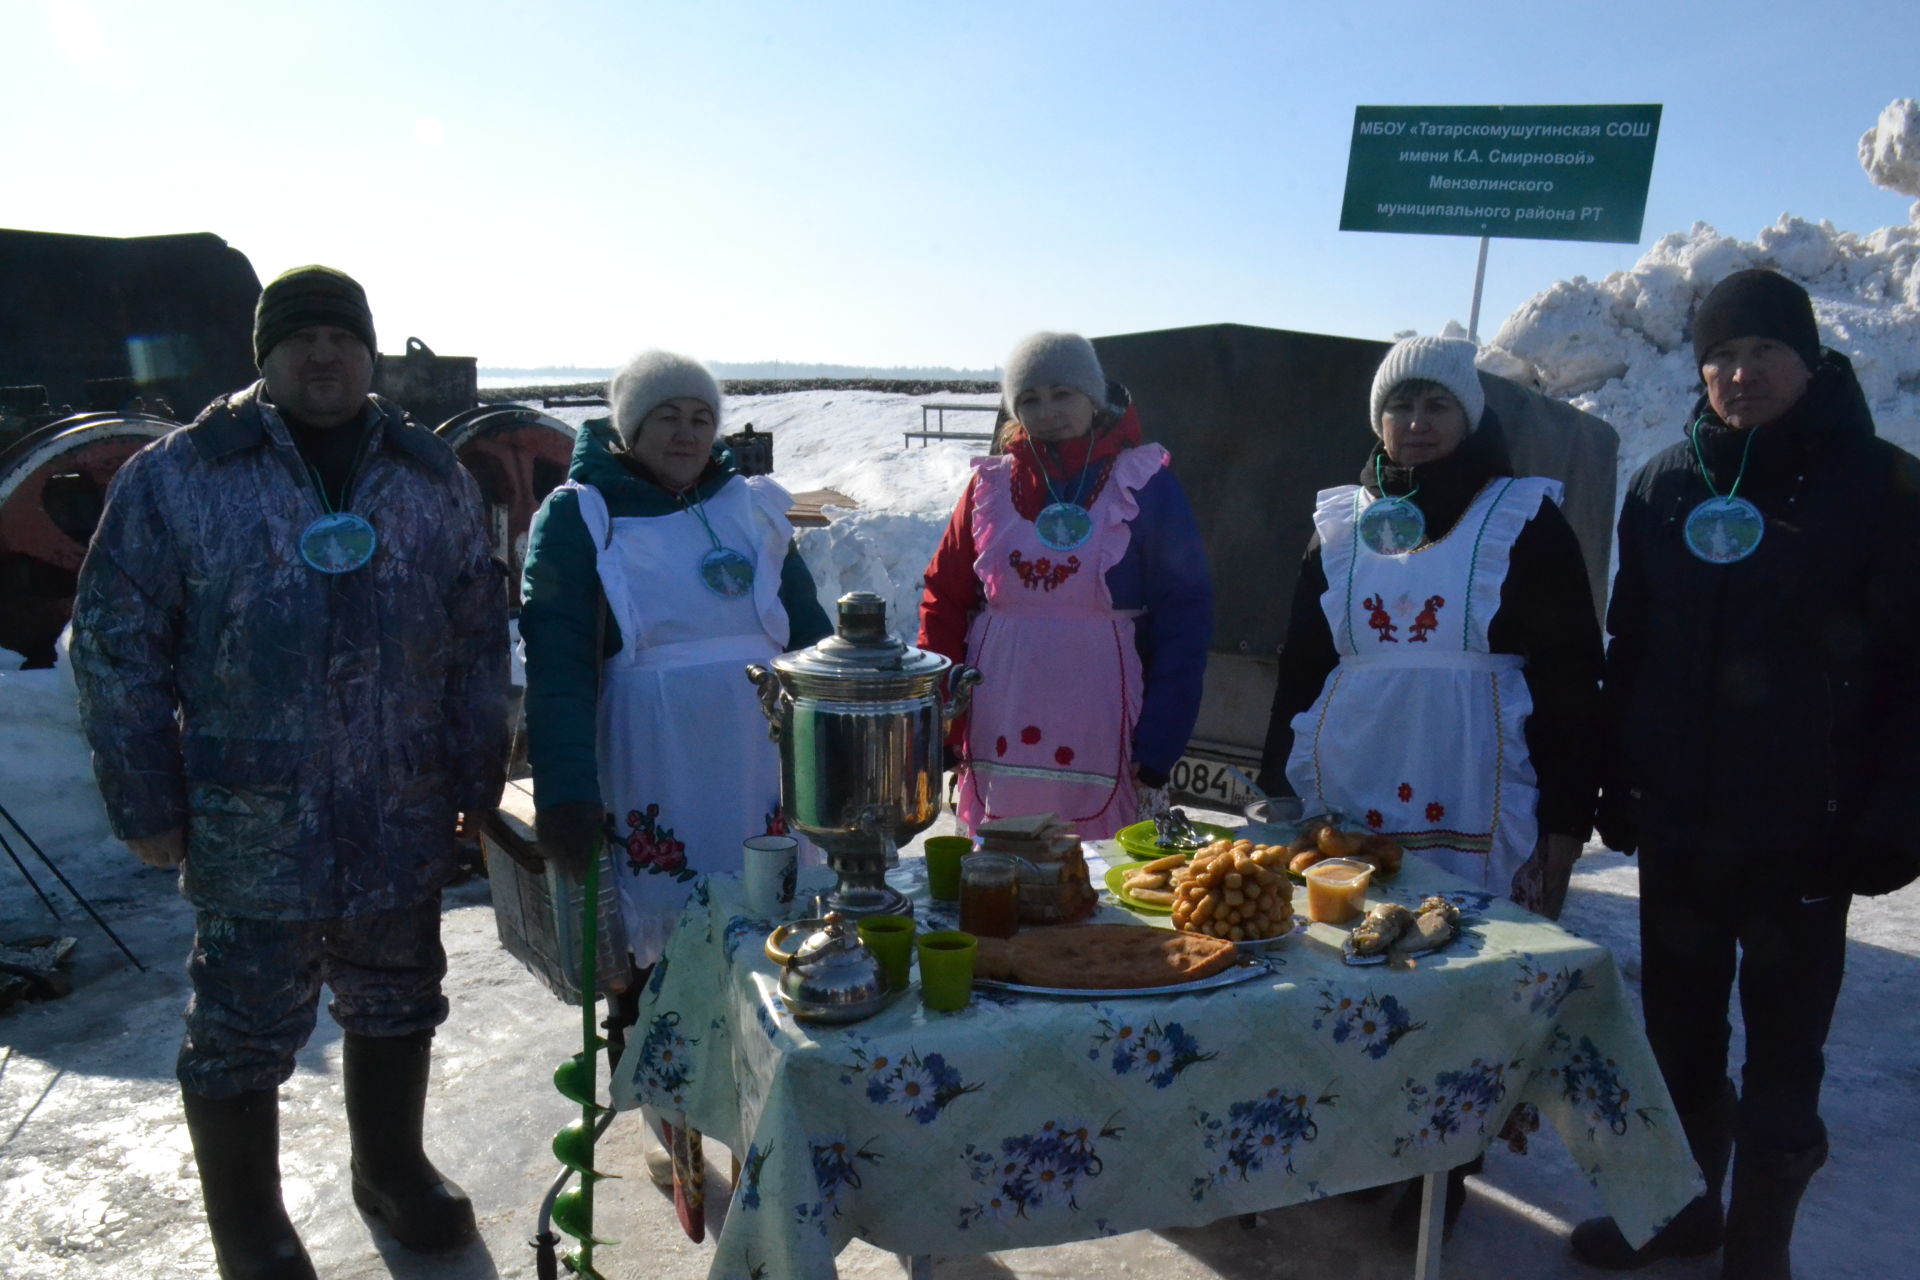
[(1530, 173)]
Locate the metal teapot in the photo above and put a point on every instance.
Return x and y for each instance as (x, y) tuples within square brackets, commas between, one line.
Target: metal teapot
[(832, 976), (861, 719)]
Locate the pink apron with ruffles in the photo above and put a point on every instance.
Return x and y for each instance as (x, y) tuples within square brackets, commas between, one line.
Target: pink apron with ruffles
[(1051, 729)]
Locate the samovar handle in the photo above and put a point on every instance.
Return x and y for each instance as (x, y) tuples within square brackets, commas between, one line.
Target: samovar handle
[(773, 698), (960, 682)]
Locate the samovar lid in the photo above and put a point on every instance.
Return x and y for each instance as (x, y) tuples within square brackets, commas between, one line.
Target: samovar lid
[(861, 649)]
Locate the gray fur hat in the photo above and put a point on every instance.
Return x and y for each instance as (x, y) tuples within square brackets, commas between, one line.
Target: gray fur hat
[(1047, 358), (1447, 361), (651, 379)]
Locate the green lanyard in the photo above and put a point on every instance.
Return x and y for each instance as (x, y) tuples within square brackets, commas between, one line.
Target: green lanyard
[(346, 490), (1379, 482), (1693, 438)]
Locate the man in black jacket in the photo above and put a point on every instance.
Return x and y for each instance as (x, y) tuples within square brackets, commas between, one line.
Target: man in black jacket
[(1763, 706)]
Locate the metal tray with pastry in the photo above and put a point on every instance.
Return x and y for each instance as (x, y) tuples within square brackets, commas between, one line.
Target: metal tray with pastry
[(1392, 930)]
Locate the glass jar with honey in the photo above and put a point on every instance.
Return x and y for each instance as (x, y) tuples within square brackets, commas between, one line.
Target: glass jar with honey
[(989, 895)]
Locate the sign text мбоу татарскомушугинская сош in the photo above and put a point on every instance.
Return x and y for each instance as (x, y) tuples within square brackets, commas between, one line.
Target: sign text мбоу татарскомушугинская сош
[(1538, 173)]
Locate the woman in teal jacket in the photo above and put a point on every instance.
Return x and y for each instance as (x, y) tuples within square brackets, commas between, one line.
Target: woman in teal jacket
[(653, 578)]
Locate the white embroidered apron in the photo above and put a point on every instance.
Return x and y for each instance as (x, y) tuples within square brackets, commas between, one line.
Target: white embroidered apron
[(1419, 733), (686, 768), (1051, 729)]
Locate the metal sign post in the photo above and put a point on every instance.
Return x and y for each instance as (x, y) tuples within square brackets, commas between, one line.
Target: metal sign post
[(1533, 173)]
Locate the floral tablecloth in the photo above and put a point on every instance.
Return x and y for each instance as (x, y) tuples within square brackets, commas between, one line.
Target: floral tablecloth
[(1023, 1121)]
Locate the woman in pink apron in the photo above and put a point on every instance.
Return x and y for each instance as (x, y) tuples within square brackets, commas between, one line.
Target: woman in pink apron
[(1073, 576)]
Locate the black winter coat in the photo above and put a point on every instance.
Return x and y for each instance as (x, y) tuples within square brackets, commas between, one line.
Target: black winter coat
[(1546, 616), (1764, 716)]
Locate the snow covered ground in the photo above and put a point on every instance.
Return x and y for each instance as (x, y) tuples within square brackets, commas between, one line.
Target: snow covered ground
[(96, 1176)]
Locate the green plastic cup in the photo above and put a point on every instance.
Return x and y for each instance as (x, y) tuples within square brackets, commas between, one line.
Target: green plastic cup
[(946, 970), (943, 865), (891, 939)]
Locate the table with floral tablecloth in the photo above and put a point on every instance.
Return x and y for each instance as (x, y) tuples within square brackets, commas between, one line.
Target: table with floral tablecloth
[(1026, 1121)]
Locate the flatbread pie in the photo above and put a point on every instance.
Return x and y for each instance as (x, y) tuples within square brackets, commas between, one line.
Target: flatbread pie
[(1103, 957)]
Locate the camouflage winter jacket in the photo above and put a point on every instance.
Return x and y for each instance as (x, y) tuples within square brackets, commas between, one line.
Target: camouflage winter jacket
[(314, 733)]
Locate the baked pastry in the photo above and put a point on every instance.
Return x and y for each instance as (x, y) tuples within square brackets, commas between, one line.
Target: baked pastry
[(1108, 957), (993, 959)]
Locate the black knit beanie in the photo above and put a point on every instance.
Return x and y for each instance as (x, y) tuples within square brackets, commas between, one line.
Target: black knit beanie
[(308, 296), (1757, 304)]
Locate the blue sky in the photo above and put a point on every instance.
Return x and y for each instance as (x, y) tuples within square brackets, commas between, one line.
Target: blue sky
[(902, 183)]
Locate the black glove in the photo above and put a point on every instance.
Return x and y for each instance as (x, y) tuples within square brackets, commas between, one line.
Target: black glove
[(1883, 865), (571, 835), (1614, 821)]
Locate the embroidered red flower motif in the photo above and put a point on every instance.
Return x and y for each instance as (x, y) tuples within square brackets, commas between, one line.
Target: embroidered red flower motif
[(1000, 745), (1043, 573), (1436, 811), (1374, 819), (1030, 735), (1405, 792), (1064, 755), (670, 855)]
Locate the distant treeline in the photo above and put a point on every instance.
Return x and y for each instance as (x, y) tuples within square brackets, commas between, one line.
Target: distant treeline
[(768, 370), (535, 392)]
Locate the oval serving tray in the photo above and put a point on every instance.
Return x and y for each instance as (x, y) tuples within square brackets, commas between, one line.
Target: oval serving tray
[(1251, 966)]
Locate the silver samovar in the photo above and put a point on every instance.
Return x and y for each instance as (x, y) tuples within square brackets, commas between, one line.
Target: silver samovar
[(861, 720)]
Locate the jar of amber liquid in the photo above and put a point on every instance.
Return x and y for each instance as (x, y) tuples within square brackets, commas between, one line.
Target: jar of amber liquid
[(989, 895)]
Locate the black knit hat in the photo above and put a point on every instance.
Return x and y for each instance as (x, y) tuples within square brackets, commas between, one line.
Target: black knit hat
[(309, 296), (1757, 304)]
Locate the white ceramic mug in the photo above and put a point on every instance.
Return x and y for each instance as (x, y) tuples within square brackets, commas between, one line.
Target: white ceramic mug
[(768, 867)]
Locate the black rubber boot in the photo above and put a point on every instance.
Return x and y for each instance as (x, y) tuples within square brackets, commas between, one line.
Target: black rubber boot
[(1767, 1186), (1698, 1228), (386, 1082), (236, 1143)]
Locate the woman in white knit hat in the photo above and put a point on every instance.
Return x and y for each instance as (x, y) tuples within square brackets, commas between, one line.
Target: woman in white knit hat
[(1439, 680), (1073, 576)]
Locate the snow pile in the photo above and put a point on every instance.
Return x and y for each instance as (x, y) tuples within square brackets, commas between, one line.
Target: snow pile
[(1621, 348), (1890, 151)]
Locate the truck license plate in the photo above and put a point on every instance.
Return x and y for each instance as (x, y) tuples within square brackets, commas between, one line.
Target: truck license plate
[(1198, 781)]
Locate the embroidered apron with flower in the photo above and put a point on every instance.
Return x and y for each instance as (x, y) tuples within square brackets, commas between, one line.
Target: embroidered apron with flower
[(1051, 730), (1419, 733), (686, 768)]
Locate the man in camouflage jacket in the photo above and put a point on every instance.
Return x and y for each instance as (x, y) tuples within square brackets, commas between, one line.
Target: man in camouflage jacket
[(296, 730)]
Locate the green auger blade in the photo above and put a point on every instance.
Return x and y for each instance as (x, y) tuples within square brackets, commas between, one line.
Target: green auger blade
[(575, 1080), (573, 1214), (573, 1147)]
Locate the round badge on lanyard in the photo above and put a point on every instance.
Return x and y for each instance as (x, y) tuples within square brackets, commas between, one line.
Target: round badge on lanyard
[(338, 542), (1062, 526), (1723, 530), (726, 572), (1392, 527)]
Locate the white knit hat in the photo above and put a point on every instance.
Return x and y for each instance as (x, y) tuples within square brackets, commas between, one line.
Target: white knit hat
[(651, 379), (1045, 359), (1447, 361)]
